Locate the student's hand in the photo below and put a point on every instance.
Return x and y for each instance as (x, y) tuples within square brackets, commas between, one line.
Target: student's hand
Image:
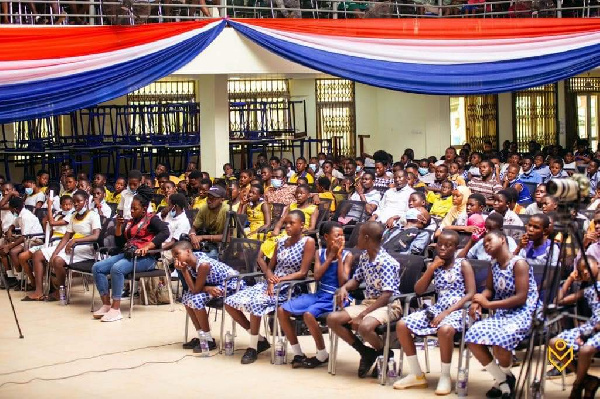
[(214, 292), (470, 229), (273, 279), (355, 322), (579, 341), (49, 203), (359, 189), (178, 264), (120, 220), (315, 199), (347, 185), (591, 236), (437, 262), (142, 251), (390, 222), (275, 231), (69, 247), (574, 275), (481, 300), (270, 291), (342, 297), (4, 250), (438, 319), (475, 310), (196, 240)]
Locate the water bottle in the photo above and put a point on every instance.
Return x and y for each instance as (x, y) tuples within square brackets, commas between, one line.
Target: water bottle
[(379, 365), (228, 344), (204, 345), (279, 352), (391, 372), (63, 295), (461, 383)]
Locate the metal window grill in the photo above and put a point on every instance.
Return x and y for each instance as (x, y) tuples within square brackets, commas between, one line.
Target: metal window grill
[(336, 112), (535, 116)]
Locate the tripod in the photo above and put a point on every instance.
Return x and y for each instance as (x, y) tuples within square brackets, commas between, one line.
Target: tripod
[(531, 382), (5, 282), (232, 221)]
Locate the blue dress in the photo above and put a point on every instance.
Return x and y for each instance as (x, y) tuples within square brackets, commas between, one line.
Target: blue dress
[(321, 301), (255, 299), (450, 288), (569, 336), (507, 327), (217, 275), (524, 194)]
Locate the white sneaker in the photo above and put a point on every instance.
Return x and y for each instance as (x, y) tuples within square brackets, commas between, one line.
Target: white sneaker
[(112, 315), (411, 381), (101, 312), (444, 386)]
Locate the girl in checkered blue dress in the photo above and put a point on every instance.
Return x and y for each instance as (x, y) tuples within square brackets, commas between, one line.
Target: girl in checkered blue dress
[(512, 293), (455, 285), (291, 261), (206, 279)]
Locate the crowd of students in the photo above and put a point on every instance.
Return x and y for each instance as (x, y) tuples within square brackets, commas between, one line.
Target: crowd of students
[(466, 205)]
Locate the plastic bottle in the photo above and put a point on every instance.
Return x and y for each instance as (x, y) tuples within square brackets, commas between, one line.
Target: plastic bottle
[(279, 352), (204, 345), (391, 372), (461, 383), (63, 295), (228, 344)]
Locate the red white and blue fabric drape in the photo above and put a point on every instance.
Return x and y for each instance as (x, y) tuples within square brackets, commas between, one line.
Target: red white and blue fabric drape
[(436, 56), (54, 70)]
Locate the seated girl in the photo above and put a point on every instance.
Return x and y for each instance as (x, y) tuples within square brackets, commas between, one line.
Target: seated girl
[(311, 215), (58, 224), (512, 293), (455, 285), (502, 200), (584, 339), (291, 261), (535, 246), (143, 232), (258, 212), (205, 278), (332, 269), (98, 203), (456, 218), (176, 219), (441, 202)]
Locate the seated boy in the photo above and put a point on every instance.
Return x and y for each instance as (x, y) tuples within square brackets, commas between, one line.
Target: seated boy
[(115, 197), (412, 238), (381, 273), (323, 185)]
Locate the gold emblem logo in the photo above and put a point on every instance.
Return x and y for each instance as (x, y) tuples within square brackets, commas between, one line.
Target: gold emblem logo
[(560, 361)]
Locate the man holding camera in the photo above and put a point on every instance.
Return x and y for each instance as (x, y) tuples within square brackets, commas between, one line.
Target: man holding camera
[(207, 230)]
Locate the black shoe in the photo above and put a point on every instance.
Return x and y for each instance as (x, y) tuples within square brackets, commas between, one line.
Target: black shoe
[(250, 356), (191, 344), (367, 360), (262, 346), (493, 393), (212, 345), (553, 373), (298, 361), (313, 362), (511, 381)]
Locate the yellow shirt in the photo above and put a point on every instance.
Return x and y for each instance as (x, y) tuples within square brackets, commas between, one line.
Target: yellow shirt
[(113, 198), (174, 179), (43, 189), (458, 179), (308, 176), (307, 211), (256, 216), (440, 206), (328, 195), (198, 202)]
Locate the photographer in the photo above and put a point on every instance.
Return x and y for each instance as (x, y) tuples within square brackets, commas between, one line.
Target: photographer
[(209, 224), (142, 233)]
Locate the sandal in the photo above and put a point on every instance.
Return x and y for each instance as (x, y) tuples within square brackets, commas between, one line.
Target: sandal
[(591, 384), (30, 299)]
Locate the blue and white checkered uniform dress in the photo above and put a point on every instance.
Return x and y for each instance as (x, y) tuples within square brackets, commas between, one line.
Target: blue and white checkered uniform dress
[(450, 288), (381, 275), (255, 299), (217, 275), (569, 336), (507, 327)]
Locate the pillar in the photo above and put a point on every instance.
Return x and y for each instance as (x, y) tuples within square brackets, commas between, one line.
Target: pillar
[(561, 104), (505, 118), (214, 123)]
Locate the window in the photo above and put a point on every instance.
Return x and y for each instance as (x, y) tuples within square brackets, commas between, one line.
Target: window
[(473, 120), (336, 113), (535, 116), (260, 108), (164, 92), (582, 106)]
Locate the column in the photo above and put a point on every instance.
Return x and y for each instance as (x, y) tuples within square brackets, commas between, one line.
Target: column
[(505, 118), (214, 123)]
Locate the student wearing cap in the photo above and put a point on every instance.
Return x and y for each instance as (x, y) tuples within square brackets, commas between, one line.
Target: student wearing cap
[(209, 223)]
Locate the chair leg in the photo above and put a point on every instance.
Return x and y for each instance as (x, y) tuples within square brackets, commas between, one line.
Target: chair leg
[(93, 293), (426, 349), (187, 323), (141, 282)]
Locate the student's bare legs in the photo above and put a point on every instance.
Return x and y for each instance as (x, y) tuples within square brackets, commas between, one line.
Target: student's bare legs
[(501, 371), (58, 266), (239, 317), (315, 330), (24, 258), (406, 339), (337, 321), (38, 268), (14, 256), (286, 325), (445, 336), (366, 329)]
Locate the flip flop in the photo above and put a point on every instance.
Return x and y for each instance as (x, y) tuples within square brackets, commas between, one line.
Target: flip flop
[(50, 298), (30, 299)]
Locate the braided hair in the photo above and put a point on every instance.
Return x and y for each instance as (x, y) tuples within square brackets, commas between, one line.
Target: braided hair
[(144, 195)]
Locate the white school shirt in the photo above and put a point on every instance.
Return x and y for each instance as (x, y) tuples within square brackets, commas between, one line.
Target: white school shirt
[(8, 219), (125, 204), (33, 199), (177, 226), (62, 229), (393, 203), (104, 208), (28, 223)]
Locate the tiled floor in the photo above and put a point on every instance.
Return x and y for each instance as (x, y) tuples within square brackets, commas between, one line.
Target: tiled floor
[(145, 359)]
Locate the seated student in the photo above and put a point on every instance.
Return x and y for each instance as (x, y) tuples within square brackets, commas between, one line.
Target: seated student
[(6, 217), (535, 246), (301, 171), (54, 188), (538, 200), (456, 218), (395, 200), (475, 249), (381, 273), (302, 181), (82, 176), (115, 196), (205, 280), (585, 338), (512, 201), (323, 185), (528, 174), (502, 200), (441, 202), (410, 238), (42, 179), (143, 232), (98, 203), (550, 204), (33, 196), (540, 167), (134, 182), (235, 195), (595, 201), (474, 160), (455, 175), (311, 215), (200, 199), (191, 166), (332, 270), (100, 181), (168, 189), (228, 172), (162, 168), (291, 261), (364, 191), (512, 293), (58, 224), (246, 176), (14, 244), (454, 282), (556, 170), (570, 165), (512, 180), (84, 185), (176, 219), (258, 212), (383, 178), (414, 182)]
